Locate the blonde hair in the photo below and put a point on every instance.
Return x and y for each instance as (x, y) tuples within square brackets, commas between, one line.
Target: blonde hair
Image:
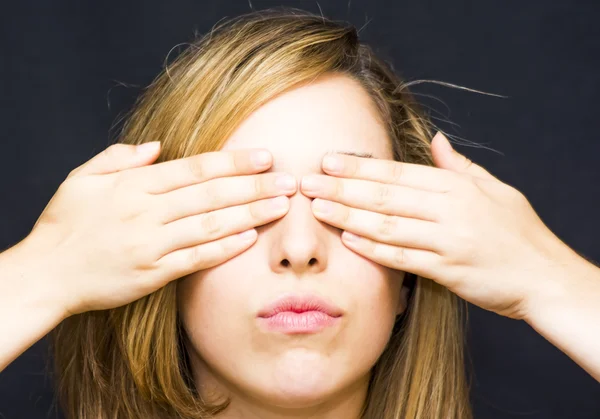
[(130, 362)]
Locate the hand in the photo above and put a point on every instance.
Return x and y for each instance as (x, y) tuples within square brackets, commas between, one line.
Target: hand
[(457, 225), (115, 232)]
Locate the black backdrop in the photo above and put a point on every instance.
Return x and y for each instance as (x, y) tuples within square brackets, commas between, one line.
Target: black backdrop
[(69, 68)]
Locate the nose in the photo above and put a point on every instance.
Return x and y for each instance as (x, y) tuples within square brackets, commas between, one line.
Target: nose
[(299, 240)]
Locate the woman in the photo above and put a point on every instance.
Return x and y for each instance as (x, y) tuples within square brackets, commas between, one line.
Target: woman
[(210, 284)]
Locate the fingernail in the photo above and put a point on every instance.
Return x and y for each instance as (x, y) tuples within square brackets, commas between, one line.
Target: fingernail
[(332, 163), (280, 202), (321, 206), (310, 183), (247, 235), (346, 235), (261, 158), (446, 144), (285, 182)]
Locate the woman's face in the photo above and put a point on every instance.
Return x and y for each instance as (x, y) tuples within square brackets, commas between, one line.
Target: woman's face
[(233, 351)]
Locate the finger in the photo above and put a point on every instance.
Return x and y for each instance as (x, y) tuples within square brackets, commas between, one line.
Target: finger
[(223, 192), (466, 165), (374, 196), (415, 176), (202, 228), (418, 261), (119, 157), (174, 174), (186, 261), (390, 229)]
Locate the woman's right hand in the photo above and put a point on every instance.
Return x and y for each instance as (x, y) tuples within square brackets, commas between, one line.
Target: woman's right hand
[(119, 228)]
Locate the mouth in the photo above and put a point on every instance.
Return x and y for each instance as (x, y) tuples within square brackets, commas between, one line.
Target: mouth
[(296, 314)]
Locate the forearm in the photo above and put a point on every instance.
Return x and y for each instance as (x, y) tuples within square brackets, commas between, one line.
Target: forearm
[(28, 308), (567, 311)]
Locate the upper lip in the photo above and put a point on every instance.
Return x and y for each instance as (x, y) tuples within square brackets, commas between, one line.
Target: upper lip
[(300, 303)]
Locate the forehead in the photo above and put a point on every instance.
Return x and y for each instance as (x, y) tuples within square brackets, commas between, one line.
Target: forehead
[(332, 114)]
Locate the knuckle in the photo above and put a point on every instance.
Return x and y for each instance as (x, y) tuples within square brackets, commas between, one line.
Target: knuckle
[(399, 256), (260, 185), (74, 172), (77, 188), (196, 167), (396, 169), (387, 226), (238, 159), (210, 224), (382, 197), (344, 215), (516, 195), (68, 183), (194, 256), (256, 211), (115, 149), (211, 194), (338, 188)]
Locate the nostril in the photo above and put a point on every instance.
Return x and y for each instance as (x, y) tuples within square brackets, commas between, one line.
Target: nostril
[(311, 262)]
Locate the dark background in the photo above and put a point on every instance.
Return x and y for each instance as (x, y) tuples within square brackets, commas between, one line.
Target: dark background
[(68, 69)]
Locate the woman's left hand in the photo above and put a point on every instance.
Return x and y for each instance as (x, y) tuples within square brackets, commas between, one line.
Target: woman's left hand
[(455, 224)]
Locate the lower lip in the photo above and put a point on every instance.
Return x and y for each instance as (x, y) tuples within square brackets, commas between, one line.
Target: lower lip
[(305, 322)]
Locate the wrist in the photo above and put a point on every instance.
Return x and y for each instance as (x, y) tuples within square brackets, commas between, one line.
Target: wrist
[(29, 305), (566, 312), (29, 276), (568, 283)]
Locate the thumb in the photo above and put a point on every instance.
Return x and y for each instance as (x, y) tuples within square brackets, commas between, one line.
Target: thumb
[(445, 157), (119, 157)]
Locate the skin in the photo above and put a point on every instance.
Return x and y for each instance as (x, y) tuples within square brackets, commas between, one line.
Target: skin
[(454, 223), (272, 375)]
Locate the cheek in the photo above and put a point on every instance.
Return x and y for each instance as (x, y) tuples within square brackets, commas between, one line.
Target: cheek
[(377, 295), (212, 306)]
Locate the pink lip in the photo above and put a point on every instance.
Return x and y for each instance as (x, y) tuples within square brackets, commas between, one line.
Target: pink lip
[(299, 314)]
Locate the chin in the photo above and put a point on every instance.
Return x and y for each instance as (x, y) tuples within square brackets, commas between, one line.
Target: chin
[(299, 378)]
